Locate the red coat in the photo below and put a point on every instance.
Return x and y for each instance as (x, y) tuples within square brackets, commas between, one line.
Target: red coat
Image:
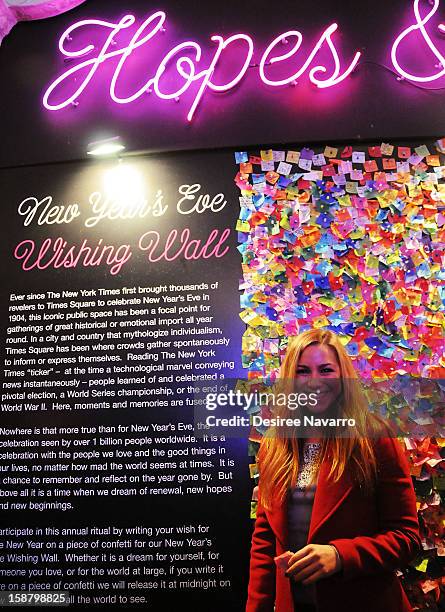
[(374, 535)]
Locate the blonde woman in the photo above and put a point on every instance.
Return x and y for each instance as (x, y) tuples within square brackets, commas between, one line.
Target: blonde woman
[(336, 515)]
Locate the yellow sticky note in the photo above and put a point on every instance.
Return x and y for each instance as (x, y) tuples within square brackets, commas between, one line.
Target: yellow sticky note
[(247, 315), (284, 223), (338, 304), (276, 330), (398, 228), (259, 297), (386, 149), (330, 152), (293, 157), (372, 262), (351, 186), (253, 470), (358, 233), (344, 200), (417, 258), (267, 155), (242, 226), (414, 190), (320, 322), (422, 566), (392, 258)]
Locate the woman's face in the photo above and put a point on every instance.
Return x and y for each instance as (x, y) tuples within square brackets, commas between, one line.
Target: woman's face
[(318, 371)]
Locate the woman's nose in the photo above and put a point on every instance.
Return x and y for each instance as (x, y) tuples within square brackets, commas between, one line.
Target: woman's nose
[(312, 379)]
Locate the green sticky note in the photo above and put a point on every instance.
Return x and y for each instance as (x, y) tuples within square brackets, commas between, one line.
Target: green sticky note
[(252, 448), (439, 482)]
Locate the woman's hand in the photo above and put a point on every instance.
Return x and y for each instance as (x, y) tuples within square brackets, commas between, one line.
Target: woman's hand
[(313, 562)]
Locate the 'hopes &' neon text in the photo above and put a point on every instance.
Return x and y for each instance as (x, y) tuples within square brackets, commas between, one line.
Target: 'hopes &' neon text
[(186, 57)]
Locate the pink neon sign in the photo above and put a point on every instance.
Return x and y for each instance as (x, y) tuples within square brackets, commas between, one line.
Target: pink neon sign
[(186, 57), (326, 37), (323, 64), (419, 28)]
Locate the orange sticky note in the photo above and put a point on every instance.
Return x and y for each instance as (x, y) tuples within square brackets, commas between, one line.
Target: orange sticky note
[(404, 152), (389, 164), (433, 160), (371, 165), (375, 151)]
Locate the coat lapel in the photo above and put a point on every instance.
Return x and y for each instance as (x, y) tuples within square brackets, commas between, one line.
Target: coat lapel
[(328, 497), (277, 517)]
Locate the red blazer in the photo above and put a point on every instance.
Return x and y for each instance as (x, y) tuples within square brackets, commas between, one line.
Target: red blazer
[(374, 535)]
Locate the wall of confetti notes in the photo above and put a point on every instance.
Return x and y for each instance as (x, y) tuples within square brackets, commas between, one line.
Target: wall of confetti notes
[(352, 239)]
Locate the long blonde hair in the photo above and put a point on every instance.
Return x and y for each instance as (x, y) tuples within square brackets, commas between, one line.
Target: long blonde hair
[(278, 457)]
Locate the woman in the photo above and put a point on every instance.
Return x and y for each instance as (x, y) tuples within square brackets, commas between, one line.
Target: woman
[(339, 512)]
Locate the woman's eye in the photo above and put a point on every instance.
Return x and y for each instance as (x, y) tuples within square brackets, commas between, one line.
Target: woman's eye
[(327, 370)]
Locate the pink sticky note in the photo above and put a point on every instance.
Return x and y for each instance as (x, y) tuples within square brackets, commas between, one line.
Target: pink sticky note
[(282, 560)]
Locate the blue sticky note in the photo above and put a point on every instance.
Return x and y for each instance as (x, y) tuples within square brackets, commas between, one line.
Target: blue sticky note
[(324, 267), (300, 312), (258, 178), (283, 182), (290, 237), (258, 200), (253, 409), (335, 319), (245, 214), (322, 282), (324, 220), (276, 290), (424, 270), (374, 343), (386, 351), (341, 249), (337, 189), (381, 215), (327, 198), (272, 314), (349, 329), (245, 301), (300, 295), (241, 157)]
